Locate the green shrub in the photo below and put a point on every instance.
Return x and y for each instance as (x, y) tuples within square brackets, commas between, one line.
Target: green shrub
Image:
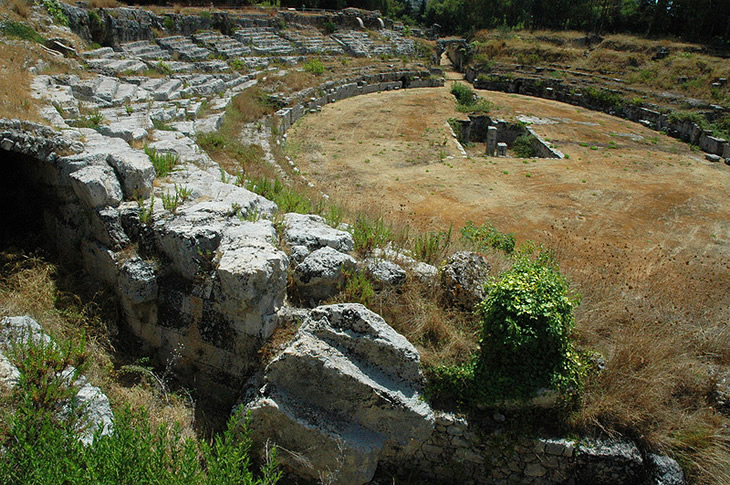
[(168, 23), (525, 344), (39, 436), (329, 27), (463, 93), (315, 66), (522, 146), (39, 451), (486, 235), (467, 101), (56, 11)]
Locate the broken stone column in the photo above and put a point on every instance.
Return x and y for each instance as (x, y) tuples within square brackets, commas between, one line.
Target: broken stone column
[(491, 140), (501, 149)]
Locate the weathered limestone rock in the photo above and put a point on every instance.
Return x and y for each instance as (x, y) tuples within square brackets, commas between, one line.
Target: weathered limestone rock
[(312, 232), (97, 186), (322, 274), (138, 281), (384, 273), (664, 470), (252, 275), (346, 386), (463, 278), (605, 462)]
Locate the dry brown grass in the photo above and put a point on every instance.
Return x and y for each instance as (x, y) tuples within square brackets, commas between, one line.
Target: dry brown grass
[(15, 98), (20, 7), (688, 70), (30, 285)]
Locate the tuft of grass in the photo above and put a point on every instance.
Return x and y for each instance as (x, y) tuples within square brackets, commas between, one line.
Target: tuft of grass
[(164, 163)]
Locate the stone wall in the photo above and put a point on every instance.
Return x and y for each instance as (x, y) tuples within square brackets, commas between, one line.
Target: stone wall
[(475, 130), (203, 284), (312, 100), (687, 131), (469, 454)]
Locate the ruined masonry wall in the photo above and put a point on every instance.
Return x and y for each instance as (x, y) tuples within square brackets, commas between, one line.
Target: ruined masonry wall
[(334, 91)]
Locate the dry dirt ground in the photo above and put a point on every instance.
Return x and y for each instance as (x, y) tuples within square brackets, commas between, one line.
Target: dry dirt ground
[(635, 217)]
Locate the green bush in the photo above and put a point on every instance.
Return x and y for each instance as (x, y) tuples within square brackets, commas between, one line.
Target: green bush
[(522, 146), (525, 344), (39, 435), (467, 101), (315, 66), (463, 93), (37, 450), (603, 98), (56, 11), (486, 235)]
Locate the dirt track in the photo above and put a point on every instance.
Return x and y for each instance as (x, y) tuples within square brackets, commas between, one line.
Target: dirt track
[(631, 212)]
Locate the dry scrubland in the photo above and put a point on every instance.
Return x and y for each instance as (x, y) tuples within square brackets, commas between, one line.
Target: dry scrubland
[(639, 222), (625, 61)]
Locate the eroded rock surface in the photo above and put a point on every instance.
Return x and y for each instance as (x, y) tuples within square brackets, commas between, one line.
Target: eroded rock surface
[(346, 386), (463, 279)]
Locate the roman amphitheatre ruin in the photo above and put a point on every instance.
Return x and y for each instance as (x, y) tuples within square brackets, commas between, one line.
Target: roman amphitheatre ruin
[(273, 202)]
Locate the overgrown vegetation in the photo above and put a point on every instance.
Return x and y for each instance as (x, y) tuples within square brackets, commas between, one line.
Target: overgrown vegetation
[(468, 101), (523, 147), (486, 235), (526, 339), (21, 31)]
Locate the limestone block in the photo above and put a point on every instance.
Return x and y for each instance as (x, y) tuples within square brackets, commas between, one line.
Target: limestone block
[(343, 389), (384, 273), (252, 284), (99, 262), (97, 412), (712, 144), (97, 186), (138, 281), (188, 244), (312, 231), (463, 279), (605, 462), (128, 129), (9, 374), (135, 172), (106, 227), (322, 274), (664, 470), (342, 454)]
